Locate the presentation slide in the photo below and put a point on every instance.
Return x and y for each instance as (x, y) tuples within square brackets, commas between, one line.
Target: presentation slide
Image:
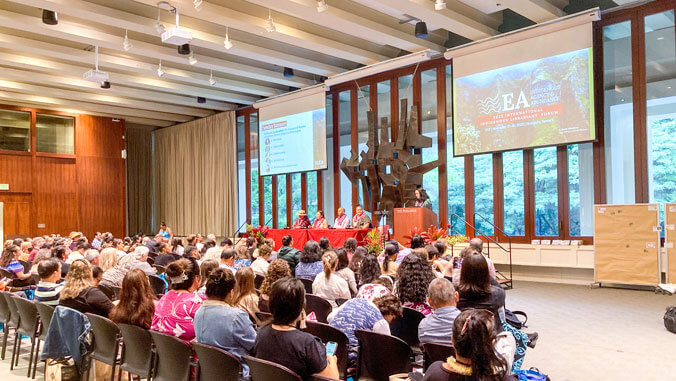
[(293, 143), (547, 101)]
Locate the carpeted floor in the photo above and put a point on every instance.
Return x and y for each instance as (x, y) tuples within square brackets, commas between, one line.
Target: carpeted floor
[(585, 334)]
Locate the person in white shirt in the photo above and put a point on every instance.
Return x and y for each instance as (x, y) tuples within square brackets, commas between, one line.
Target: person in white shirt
[(328, 284), (261, 264), (78, 253), (342, 221), (228, 260)]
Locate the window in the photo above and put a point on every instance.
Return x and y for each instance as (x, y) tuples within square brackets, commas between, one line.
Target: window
[(513, 189), (455, 166), (483, 193), (546, 192), (253, 144), (619, 113), (327, 175), (15, 130), (429, 128), (363, 106), (344, 128), (312, 202), (384, 111), (55, 134), (267, 200), (241, 173), (581, 189), (296, 198), (281, 201)]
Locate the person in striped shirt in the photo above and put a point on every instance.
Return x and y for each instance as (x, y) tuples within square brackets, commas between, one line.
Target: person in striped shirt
[(48, 290)]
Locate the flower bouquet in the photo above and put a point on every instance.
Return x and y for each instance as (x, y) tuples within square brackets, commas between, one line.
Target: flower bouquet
[(258, 233)]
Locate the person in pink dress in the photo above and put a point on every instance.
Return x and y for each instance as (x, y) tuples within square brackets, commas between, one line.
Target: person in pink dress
[(320, 221), (176, 310)]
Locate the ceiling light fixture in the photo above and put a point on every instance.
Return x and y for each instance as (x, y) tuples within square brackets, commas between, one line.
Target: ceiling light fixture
[(105, 85), (439, 5), (421, 29), (96, 75), (159, 27), (191, 59), (212, 81), (175, 35), (126, 45), (197, 4), (49, 17), (288, 72), (322, 6), (270, 27), (226, 43), (184, 49), (160, 72)]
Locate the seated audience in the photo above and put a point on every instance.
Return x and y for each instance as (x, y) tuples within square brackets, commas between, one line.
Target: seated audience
[(164, 257), (112, 273), (344, 272), (221, 325), (26, 248), (37, 245), (261, 264), (9, 262), (177, 246), (49, 288), (328, 284), (176, 310), (79, 292), (42, 255), (289, 253), (245, 296), (320, 221), (228, 260), (278, 269), (282, 343), (154, 244), (478, 245), (141, 261), (389, 265), (369, 270), (206, 268), (413, 278), (97, 274), (213, 253), (325, 244), (355, 262), (242, 258), (350, 246), (438, 327), (476, 291), (137, 300), (92, 256), (475, 356), (310, 261)]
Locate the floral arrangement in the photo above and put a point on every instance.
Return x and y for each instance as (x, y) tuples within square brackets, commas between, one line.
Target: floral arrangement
[(373, 242), (258, 232), (433, 234)]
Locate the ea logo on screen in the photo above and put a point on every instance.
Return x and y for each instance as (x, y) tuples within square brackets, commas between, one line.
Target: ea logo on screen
[(492, 105)]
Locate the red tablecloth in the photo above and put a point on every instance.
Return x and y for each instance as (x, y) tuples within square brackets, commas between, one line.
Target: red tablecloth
[(300, 236)]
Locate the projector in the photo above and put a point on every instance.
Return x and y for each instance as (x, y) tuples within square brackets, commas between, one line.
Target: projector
[(97, 76), (439, 5), (177, 36)]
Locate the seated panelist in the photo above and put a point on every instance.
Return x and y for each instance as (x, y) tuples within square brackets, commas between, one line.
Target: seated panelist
[(320, 221), (342, 221), (302, 222), (360, 220)]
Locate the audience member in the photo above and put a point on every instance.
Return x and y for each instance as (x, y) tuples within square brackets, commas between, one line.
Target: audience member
[(369, 270), (350, 246), (9, 263), (328, 284), (206, 268), (476, 291), (228, 260), (289, 253), (355, 263), (37, 245), (141, 261), (320, 223), (478, 245), (177, 246), (79, 251), (310, 261), (154, 244), (261, 264), (221, 325), (325, 244), (213, 253), (97, 274), (112, 273), (278, 269), (137, 300), (413, 278), (438, 327), (49, 288), (242, 258), (164, 257), (389, 265), (282, 343), (39, 257), (92, 256), (79, 292), (344, 271), (245, 296)]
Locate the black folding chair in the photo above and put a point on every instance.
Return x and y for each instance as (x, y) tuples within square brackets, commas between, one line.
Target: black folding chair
[(137, 351), (157, 284), (320, 306), (307, 283), (435, 352), (173, 360), (262, 370), (5, 315), (381, 356), (45, 313), (406, 327), (258, 281), (28, 326), (106, 346), (328, 333), (14, 322), (215, 363)]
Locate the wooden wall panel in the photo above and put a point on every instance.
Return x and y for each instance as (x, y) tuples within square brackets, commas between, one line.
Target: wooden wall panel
[(16, 215), (16, 171), (99, 137), (55, 197)]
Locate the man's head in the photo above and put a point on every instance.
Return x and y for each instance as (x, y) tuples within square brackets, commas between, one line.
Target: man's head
[(226, 243), (211, 237), (228, 257), (38, 242), (92, 256), (49, 270), (441, 293), (141, 253), (83, 246), (477, 244), (341, 211), (97, 235), (191, 251)]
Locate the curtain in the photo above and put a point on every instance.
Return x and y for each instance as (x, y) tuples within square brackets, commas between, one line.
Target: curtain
[(139, 180), (196, 176)]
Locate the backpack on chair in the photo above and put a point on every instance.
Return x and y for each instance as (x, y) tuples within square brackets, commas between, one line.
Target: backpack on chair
[(670, 319)]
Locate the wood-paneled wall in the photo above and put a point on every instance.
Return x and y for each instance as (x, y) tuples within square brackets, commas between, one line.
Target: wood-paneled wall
[(53, 193)]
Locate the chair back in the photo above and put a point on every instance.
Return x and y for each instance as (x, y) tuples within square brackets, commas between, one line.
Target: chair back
[(406, 327), (106, 335), (45, 312), (108, 290), (328, 333), (174, 358), (263, 316), (151, 261), (341, 301), (14, 316), (381, 356), (137, 355), (6, 274), (258, 281), (157, 284), (28, 324), (436, 352), (307, 283), (320, 306), (262, 370), (216, 363), (4, 310)]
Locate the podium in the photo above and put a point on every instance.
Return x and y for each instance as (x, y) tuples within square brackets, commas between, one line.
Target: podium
[(405, 219)]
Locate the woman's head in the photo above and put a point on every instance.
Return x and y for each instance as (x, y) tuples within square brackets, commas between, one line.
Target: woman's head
[(78, 278), (278, 269), (59, 252), (358, 255), (414, 276), (330, 261), (265, 252), (421, 194), (343, 260), (242, 252), (287, 240), (10, 252), (324, 244), (417, 242), (287, 300), (183, 274), (389, 306), (245, 283), (474, 276), (391, 251), (220, 284), (473, 338), (207, 267), (137, 300), (432, 252), (369, 270), (108, 259), (350, 245), (311, 252), (319, 214)]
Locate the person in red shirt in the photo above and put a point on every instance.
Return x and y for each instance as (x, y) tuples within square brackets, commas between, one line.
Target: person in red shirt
[(302, 222)]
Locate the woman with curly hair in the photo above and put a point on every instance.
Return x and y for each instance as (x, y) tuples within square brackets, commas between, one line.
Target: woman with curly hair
[(369, 270), (278, 269), (413, 279), (137, 301), (310, 261)]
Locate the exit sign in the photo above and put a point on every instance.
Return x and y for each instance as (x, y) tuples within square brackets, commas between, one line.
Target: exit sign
[(4, 187)]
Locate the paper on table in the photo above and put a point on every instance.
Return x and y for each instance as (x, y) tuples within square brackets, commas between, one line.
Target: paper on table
[(650, 245)]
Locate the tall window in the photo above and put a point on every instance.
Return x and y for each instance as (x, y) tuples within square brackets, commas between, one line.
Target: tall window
[(384, 94), (483, 192), (455, 166), (546, 192), (267, 200), (241, 172), (312, 202), (327, 175), (15, 130), (55, 134), (345, 130), (581, 189), (281, 201), (363, 105), (253, 143), (296, 200), (429, 129), (513, 199)]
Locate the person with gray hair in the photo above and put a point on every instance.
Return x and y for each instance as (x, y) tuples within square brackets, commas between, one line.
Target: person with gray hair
[(141, 260), (92, 256), (478, 245), (438, 326)]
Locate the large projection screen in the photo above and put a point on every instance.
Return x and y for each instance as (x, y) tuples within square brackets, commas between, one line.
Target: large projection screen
[(530, 93), (292, 134)]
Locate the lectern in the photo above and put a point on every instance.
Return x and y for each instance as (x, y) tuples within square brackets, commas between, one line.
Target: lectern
[(405, 219)]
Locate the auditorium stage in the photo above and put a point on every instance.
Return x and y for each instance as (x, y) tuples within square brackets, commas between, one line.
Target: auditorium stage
[(336, 236)]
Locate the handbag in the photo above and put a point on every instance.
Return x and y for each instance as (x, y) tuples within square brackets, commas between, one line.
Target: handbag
[(532, 374), (63, 369), (513, 320), (670, 319)]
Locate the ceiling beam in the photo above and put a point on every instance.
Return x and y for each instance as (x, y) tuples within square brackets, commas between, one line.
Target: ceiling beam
[(84, 34), (219, 15), (124, 20), (350, 23), (128, 64), (534, 10)]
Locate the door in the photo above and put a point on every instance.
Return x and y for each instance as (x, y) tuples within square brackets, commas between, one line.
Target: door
[(15, 216)]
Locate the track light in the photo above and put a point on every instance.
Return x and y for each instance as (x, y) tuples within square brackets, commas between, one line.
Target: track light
[(105, 85), (49, 17), (270, 27), (160, 72), (227, 44), (201, 100), (439, 5), (191, 59), (197, 4), (322, 6), (126, 45), (288, 72), (421, 29), (159, 27), (212, 81), (184, 49)]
